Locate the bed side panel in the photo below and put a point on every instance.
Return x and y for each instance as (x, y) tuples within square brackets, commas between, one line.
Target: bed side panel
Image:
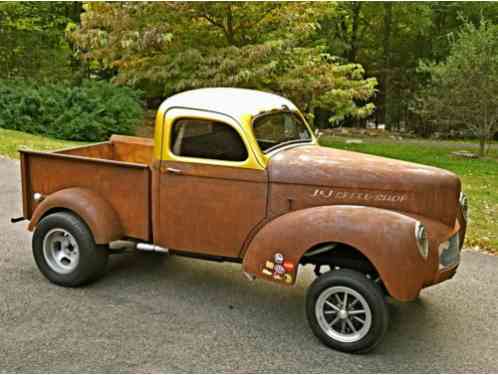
[(125, 187)]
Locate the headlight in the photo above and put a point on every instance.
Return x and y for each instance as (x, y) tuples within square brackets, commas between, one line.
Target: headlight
[(422, 241), (464, 203)]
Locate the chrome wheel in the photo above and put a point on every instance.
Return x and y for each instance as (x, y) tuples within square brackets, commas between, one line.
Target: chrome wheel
[(343, 314), (61, 251)]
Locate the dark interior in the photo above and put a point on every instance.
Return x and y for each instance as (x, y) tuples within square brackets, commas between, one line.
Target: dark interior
[(222, 143)]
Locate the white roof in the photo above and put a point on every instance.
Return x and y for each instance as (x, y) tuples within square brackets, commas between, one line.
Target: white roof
[(230, 101)]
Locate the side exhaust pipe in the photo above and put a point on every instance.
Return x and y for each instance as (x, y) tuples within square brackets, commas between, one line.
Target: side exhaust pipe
[(150, 247), (141, 246)]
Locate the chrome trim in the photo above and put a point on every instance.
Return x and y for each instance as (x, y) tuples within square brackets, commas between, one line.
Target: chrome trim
[(422, 241), (61, 251), (38, 197), (142, 246), (274, 152), (150, 247), (343, 314), (464, 204)]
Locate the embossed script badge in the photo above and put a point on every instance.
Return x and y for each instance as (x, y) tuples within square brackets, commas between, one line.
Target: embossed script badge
[(364, 196)]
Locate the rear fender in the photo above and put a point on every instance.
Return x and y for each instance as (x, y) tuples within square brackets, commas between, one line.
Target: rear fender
[(94, 210), (385, 238)]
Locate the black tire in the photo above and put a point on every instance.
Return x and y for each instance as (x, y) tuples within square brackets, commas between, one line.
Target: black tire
[(351, 280), (92, 258)]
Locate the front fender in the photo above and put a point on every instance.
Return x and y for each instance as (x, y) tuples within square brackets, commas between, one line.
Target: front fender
[(385, 237), (94, 210)]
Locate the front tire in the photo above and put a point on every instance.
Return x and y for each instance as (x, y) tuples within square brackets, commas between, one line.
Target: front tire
[(346, 311), (65, 250)]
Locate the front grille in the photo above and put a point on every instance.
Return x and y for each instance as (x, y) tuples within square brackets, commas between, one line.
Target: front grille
[(449, 252)]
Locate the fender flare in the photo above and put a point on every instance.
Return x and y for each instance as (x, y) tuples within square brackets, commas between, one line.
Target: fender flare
[(386, 238), (95, 211)]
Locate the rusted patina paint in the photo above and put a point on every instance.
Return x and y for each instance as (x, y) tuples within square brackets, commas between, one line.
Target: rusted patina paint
[(95, 211), (314, 176)]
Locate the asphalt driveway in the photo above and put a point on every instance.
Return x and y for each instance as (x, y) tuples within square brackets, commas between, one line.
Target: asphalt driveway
[(155, 313)]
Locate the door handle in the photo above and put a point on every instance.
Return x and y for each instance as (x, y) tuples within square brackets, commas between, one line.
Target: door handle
[(174, 170)]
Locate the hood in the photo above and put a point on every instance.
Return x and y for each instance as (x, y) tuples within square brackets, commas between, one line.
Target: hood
[(345, 177)]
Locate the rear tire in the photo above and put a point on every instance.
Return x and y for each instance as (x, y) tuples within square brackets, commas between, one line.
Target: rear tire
[(65, 250), (354, 327)]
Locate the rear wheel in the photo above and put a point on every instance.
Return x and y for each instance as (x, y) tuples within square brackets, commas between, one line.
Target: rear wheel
[(346, 311), (65, 251)]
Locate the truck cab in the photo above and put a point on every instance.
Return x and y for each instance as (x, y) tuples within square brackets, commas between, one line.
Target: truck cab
[(237, 175)]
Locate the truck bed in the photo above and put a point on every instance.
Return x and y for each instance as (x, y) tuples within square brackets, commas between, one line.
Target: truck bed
[(119, 170)]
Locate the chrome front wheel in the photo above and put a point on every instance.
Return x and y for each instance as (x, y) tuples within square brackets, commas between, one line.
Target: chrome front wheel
[(346, 311), (343, 314)]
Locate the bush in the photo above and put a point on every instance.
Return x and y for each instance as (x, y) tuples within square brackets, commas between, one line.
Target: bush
[(90, 112)]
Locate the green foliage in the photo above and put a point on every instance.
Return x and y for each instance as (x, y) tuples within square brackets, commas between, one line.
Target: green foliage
[(322, 55), (464, 87), (32, 41), (90, 112), (389, 39), (170, 47)]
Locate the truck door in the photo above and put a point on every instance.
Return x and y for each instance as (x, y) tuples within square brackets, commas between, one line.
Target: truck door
[(209, 199)]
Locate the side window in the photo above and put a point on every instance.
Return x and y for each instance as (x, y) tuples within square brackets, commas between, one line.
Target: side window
[(207, 139)]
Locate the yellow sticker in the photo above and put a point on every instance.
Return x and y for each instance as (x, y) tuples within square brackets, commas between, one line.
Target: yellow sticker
[(288, 278), (269, 265)]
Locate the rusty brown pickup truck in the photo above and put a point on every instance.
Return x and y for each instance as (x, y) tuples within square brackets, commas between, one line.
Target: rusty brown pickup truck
[(237, 175)]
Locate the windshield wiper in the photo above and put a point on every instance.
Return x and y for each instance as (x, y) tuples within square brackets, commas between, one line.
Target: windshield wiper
[(285, 143)]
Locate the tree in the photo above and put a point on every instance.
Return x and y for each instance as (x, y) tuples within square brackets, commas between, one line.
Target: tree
[(464, 87), (32, 42), (388, 40), (165, 48)]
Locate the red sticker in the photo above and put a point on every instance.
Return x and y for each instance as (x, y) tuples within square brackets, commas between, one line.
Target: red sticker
[(288, 266)]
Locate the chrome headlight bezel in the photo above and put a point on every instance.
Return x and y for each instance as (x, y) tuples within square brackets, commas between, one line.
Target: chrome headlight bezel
[(422, 240), (464, 204)]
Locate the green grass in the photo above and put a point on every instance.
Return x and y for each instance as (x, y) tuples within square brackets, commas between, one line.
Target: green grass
[(11, 141), (479, 178)]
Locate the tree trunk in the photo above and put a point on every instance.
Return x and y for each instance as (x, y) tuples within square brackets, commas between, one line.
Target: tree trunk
[(229, 32), (482, 145), (388, 7), (356, 8)]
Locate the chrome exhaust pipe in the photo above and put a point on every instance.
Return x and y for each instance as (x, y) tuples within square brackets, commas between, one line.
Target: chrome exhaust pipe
[(142, 246), (150, 247)]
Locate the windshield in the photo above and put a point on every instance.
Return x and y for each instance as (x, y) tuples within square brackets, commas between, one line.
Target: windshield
[(278, 129)]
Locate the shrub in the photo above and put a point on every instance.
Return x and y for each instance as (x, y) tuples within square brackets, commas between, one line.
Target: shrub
[(90, 112)]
